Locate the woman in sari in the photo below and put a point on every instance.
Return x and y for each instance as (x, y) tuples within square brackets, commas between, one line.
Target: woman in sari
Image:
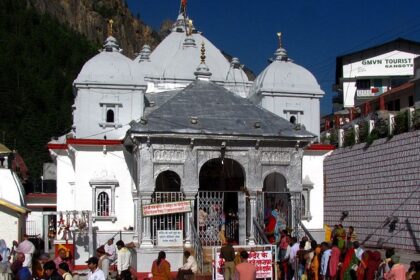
[(350, 260), (363, 266), (315, 264), (334, 259), (373, 264), (161, 269)]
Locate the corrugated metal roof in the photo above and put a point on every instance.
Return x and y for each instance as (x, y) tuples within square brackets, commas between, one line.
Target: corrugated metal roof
[(217, 111)]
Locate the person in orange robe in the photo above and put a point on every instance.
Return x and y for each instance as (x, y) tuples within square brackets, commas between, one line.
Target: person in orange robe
[(161, 269)]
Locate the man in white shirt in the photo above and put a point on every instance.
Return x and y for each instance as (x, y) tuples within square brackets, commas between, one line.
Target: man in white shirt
[(123, 261), (292, 259), (28, 248), (326, 254), (190, 267), (111, 250), (95, 273)]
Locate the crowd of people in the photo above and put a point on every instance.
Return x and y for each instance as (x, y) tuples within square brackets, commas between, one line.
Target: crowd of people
[(341, 258), (21, 262)]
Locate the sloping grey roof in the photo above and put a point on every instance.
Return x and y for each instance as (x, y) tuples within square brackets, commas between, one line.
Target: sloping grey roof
[(154, 100), (218, 112)]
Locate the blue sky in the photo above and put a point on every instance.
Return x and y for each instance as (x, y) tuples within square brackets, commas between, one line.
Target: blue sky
[(314, 32)]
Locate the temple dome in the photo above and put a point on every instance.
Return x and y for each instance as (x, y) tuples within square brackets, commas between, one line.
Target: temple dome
[(177, 56), (109, 67), (284, 76)]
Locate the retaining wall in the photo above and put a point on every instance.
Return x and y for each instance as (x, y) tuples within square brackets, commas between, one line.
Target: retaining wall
[(377, 184)]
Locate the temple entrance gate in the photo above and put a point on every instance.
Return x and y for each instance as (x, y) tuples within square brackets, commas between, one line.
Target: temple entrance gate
[(221, 205), (275, 199)]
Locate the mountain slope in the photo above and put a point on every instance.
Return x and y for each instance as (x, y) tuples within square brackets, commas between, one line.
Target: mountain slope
[(90, 17), (39, 60)]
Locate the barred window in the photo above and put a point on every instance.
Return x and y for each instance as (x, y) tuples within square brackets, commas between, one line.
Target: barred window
[(103, 204)]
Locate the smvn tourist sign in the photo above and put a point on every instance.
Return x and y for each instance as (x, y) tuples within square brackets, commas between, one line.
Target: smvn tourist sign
[(167, 208)]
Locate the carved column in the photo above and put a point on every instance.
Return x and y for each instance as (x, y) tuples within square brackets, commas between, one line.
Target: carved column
[(137, 211), (146, 240), (188, 218), (253, 204)]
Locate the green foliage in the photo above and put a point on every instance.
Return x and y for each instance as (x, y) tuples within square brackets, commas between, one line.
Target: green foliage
[(374, 135), (40, 58), (401, 122), (333, 138), (416, 119), (363, 131), (349, 137)]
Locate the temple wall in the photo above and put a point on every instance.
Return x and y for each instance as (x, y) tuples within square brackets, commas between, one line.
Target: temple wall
[(377, 185)]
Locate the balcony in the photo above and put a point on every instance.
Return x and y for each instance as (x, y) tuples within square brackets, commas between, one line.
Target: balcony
[(375, 91)]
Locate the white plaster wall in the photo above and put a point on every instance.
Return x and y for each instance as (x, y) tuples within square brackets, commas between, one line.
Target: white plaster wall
[(312, 167), (89, 113), (66, 196), (88, 165), (310, 117), (9, 229), (10, 188)]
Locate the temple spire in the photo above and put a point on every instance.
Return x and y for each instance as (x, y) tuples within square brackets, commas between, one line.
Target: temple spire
[(280, 53), (110, 22), (280, 43), (203, 72)]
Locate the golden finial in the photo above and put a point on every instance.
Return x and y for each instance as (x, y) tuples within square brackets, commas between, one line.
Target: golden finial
[(279, 35), (190, 25), (110, 22), (203, 53)]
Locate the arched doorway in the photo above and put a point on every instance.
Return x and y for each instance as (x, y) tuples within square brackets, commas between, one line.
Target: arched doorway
[(276, 197), (167, 189), (221, 201)]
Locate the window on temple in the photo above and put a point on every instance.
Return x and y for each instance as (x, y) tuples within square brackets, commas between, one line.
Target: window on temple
[(102, 204), (103, 198), (293, 119), (110, 116)]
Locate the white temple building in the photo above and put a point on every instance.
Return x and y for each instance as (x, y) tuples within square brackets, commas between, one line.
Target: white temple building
[(182, 124)]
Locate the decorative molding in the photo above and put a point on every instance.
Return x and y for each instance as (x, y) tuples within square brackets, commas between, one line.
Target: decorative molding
[(170, 156), (275, 158)]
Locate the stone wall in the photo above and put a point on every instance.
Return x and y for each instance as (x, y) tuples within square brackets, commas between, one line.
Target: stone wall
[(379, 186)]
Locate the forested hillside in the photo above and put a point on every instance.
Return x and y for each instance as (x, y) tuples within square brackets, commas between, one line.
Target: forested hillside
[(39, 59)]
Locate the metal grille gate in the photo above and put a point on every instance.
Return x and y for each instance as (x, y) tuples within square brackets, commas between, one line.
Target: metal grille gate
[(210, 210), (167, 222)]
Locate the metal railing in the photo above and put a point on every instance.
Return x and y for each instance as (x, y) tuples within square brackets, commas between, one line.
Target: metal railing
[(196, 243), (170, 221), (308, 234), (259, 235)]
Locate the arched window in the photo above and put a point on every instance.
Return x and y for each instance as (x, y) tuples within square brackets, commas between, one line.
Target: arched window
[(110, 116), (293, 119), (103, 204)]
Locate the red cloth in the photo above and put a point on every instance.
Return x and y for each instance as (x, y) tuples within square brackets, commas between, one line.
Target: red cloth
[(373, 264), (334, 260), (269, 229)]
